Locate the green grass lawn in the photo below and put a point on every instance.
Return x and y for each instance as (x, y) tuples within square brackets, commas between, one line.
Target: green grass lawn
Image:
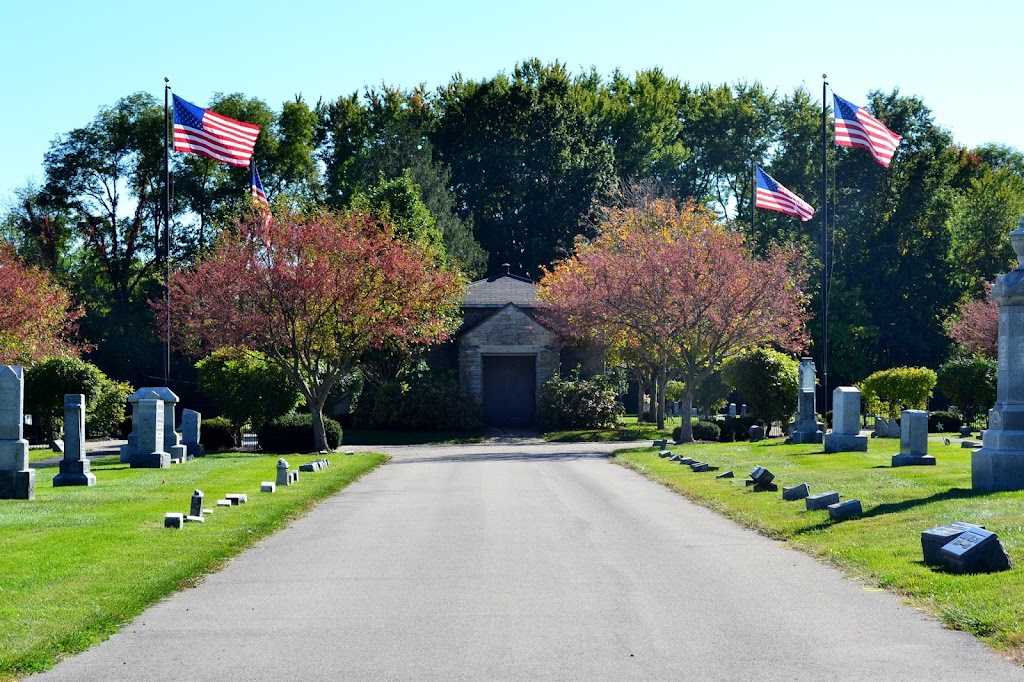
[(78, 563), (627, 429), (884, 546)]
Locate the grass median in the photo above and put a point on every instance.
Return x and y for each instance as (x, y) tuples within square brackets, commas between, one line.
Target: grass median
[(79, 563), (883, 547)]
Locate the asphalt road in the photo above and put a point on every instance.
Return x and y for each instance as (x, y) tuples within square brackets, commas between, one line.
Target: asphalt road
[(527, 563)]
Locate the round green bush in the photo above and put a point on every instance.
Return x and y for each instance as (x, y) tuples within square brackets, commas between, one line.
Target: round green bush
[(701, 431), (294, 433), (939, 422), (217, 434)]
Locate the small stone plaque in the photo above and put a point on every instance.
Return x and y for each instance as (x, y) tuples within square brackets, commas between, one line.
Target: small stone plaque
[(727, 474), (765, 488), (350, 452), (237, 498), (796, 492), (194, 519), (268, 487), (934, 539), (845, 510), (661, 443), (762, 475), (821, 500), (207, 512), (223, 503), (665, 453), (686, 460), (976, 551), (174, 520), (675, 458)]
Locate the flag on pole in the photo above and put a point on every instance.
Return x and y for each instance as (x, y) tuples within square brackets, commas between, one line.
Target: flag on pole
[(259, 197), (201, 131), (773, 196), (855, 127)]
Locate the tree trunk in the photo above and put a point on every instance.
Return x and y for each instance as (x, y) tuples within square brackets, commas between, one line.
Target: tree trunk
[(319, 432), (641, 384), (662, 385), (686, 423)]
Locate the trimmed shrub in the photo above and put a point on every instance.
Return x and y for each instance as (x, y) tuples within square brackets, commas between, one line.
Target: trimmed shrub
[(425, 404), (768, 380), (49, 380), (294, 433), (217, 433), (246, 387), (890, 391), (734, 429), (939, 422), (701, 431), (577, 403)]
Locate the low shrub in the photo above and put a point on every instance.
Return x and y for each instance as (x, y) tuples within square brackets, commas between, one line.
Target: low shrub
[(734, 429), (294, 433), (939, 422), (424, 404), (701, 431), (890, 391), (217, 433), (577, 403)]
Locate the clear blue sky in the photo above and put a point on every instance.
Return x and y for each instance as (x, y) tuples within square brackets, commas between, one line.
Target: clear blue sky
[(63, 60)]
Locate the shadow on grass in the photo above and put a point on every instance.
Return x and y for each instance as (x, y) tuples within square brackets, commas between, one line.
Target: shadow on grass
[(951, 494)]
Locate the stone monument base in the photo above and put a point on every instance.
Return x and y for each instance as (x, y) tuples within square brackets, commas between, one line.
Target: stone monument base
[(126, 453), (195, 450), (997, 470), (837, 442), (74, 473), (152, 460), (804, 437), (912, 460), (18, 485)]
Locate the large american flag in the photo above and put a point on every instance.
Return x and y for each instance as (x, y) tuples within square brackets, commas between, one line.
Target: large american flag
[(855, 127), (201, 131), (773, 196)]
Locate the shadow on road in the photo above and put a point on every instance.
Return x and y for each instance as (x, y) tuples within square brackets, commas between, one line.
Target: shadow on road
[(510, 456)]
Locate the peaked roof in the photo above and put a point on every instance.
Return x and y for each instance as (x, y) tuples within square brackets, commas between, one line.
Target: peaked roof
[(497, 290)]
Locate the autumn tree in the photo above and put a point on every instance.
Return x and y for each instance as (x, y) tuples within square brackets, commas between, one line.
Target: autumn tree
[(37, 318), (313, 294), (679, 281), (975, 328)]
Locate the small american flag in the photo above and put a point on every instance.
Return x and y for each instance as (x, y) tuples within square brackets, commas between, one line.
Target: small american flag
[(773, 196), (201, 131), (259, 197), (855, 127)]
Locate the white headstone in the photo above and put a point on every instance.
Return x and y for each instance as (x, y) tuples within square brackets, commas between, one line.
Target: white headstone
[(17, 480), (846, 411)]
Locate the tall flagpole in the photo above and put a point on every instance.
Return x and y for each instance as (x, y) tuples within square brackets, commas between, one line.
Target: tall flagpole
[(753, 198), (167, 235), (824, 244)]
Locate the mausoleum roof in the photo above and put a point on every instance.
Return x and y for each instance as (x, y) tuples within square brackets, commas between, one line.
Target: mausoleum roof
[(499, 290)]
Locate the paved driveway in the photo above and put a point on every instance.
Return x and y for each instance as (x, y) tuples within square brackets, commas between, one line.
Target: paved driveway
[(527, 562)]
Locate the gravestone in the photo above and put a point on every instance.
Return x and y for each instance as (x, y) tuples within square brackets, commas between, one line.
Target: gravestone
[(74, 467), (821, 500), (756, 433), (268, 487), (845, 436), (174, 520), (975, 551), (17, 480), (196, 507), (664, 453), (727, 474), (148, 426), (796, 492), (965, 431), (845, 510), (171, 438), (913, 440), (806, 428), (999, 464), (886, 428), (236, 498), (191, 422), (934, 539), (283, 476), (761, 480), (732, 409), (661, 444)]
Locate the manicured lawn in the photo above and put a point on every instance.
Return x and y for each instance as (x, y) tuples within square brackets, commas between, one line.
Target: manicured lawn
[(78, 563), (883, 547), (626, 430)]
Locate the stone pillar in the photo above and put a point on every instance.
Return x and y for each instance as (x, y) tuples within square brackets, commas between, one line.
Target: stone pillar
[(172, 439), (806, 428), (148, 422), (196, 508), (845, 436), (74, 468), (999, 464), (913, 440), (190, 425), (17, 480), (283, 477)]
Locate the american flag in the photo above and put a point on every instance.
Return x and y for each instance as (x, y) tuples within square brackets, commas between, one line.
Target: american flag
[(855, 127), (773, 196), (205, 132), (259, 197)]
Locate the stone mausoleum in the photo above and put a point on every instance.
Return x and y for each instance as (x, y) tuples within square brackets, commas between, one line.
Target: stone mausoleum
[(504, 352)]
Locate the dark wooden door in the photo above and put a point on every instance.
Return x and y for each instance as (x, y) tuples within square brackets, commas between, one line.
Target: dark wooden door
[(510, 385)]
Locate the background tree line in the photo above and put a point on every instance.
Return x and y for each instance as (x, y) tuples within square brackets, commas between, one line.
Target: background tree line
[(510, 169)]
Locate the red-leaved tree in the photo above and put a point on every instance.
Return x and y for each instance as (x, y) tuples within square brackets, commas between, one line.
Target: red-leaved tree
[(976, 326), (37, 318), (674, 281), (313, 293)]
